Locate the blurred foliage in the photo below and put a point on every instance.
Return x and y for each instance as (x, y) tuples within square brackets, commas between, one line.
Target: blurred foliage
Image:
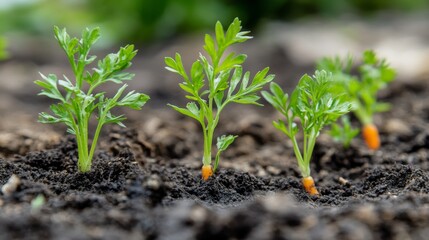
[(3, 53), (38, 17), (145, 20)]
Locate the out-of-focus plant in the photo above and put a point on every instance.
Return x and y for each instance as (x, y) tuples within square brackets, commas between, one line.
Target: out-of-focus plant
[(146, 20), (3, 53), (141, 21), (374, 75), (343, 132), (161, 19)]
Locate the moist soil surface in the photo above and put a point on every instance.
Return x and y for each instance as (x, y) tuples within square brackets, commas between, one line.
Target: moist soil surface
[(145, 181)]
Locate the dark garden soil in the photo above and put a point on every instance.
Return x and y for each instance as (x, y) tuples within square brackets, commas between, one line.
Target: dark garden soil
[(145, 182)]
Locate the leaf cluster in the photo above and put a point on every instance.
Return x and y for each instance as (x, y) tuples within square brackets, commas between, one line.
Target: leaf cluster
[(221, 80), (76, 105), (316, 102), (374, 74)]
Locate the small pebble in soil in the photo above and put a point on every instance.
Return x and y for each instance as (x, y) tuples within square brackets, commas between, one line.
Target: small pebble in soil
[(397, 126), (11, 185), (273, 170), (153, 182), (343, 181)]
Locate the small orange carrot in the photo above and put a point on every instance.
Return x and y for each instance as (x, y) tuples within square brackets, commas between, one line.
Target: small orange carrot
[(371, 136), (206, 172), (309, 186)]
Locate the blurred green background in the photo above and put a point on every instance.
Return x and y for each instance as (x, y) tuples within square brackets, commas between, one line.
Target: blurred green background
[(145, 21)]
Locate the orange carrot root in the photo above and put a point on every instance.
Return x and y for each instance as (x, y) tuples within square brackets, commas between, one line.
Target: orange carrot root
[(309, 186), (206, 172), (371, 136)]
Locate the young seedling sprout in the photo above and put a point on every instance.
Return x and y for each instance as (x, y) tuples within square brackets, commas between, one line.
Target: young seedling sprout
[(213, 83), (76, 105), (316, 102), (375, 74)]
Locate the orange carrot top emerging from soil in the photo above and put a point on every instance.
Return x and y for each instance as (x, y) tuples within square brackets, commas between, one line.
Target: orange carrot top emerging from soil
[(371, 136), (310, 186), (206, 172)]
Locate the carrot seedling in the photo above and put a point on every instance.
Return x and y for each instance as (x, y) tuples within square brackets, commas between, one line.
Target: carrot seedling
[(76, 106), (214, 82), (316, 102), (375, 74), (344, 132)]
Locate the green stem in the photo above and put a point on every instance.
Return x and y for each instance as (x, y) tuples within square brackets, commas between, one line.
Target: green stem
[(79, 146), (95, 140), (216, 164), (301, 162), (305, 145), (207, 145), (363, 116), (82, 156), (207, 158), (84, 164), (308, 152)]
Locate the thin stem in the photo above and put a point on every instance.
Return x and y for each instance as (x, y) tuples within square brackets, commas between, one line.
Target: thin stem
[(207, 148), (207, 152), (85, 133), (305, 147), (309, 150), (301, 162), (82, 157), (92, 87), (216, 164), (83, 162), (82, 142), (208, 132), (363, 116), (95, 140), (79, 75)]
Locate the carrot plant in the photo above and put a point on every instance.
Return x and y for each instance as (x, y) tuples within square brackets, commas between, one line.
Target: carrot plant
[(316, 102), (76, 105), (213, 83), (374, 74)]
